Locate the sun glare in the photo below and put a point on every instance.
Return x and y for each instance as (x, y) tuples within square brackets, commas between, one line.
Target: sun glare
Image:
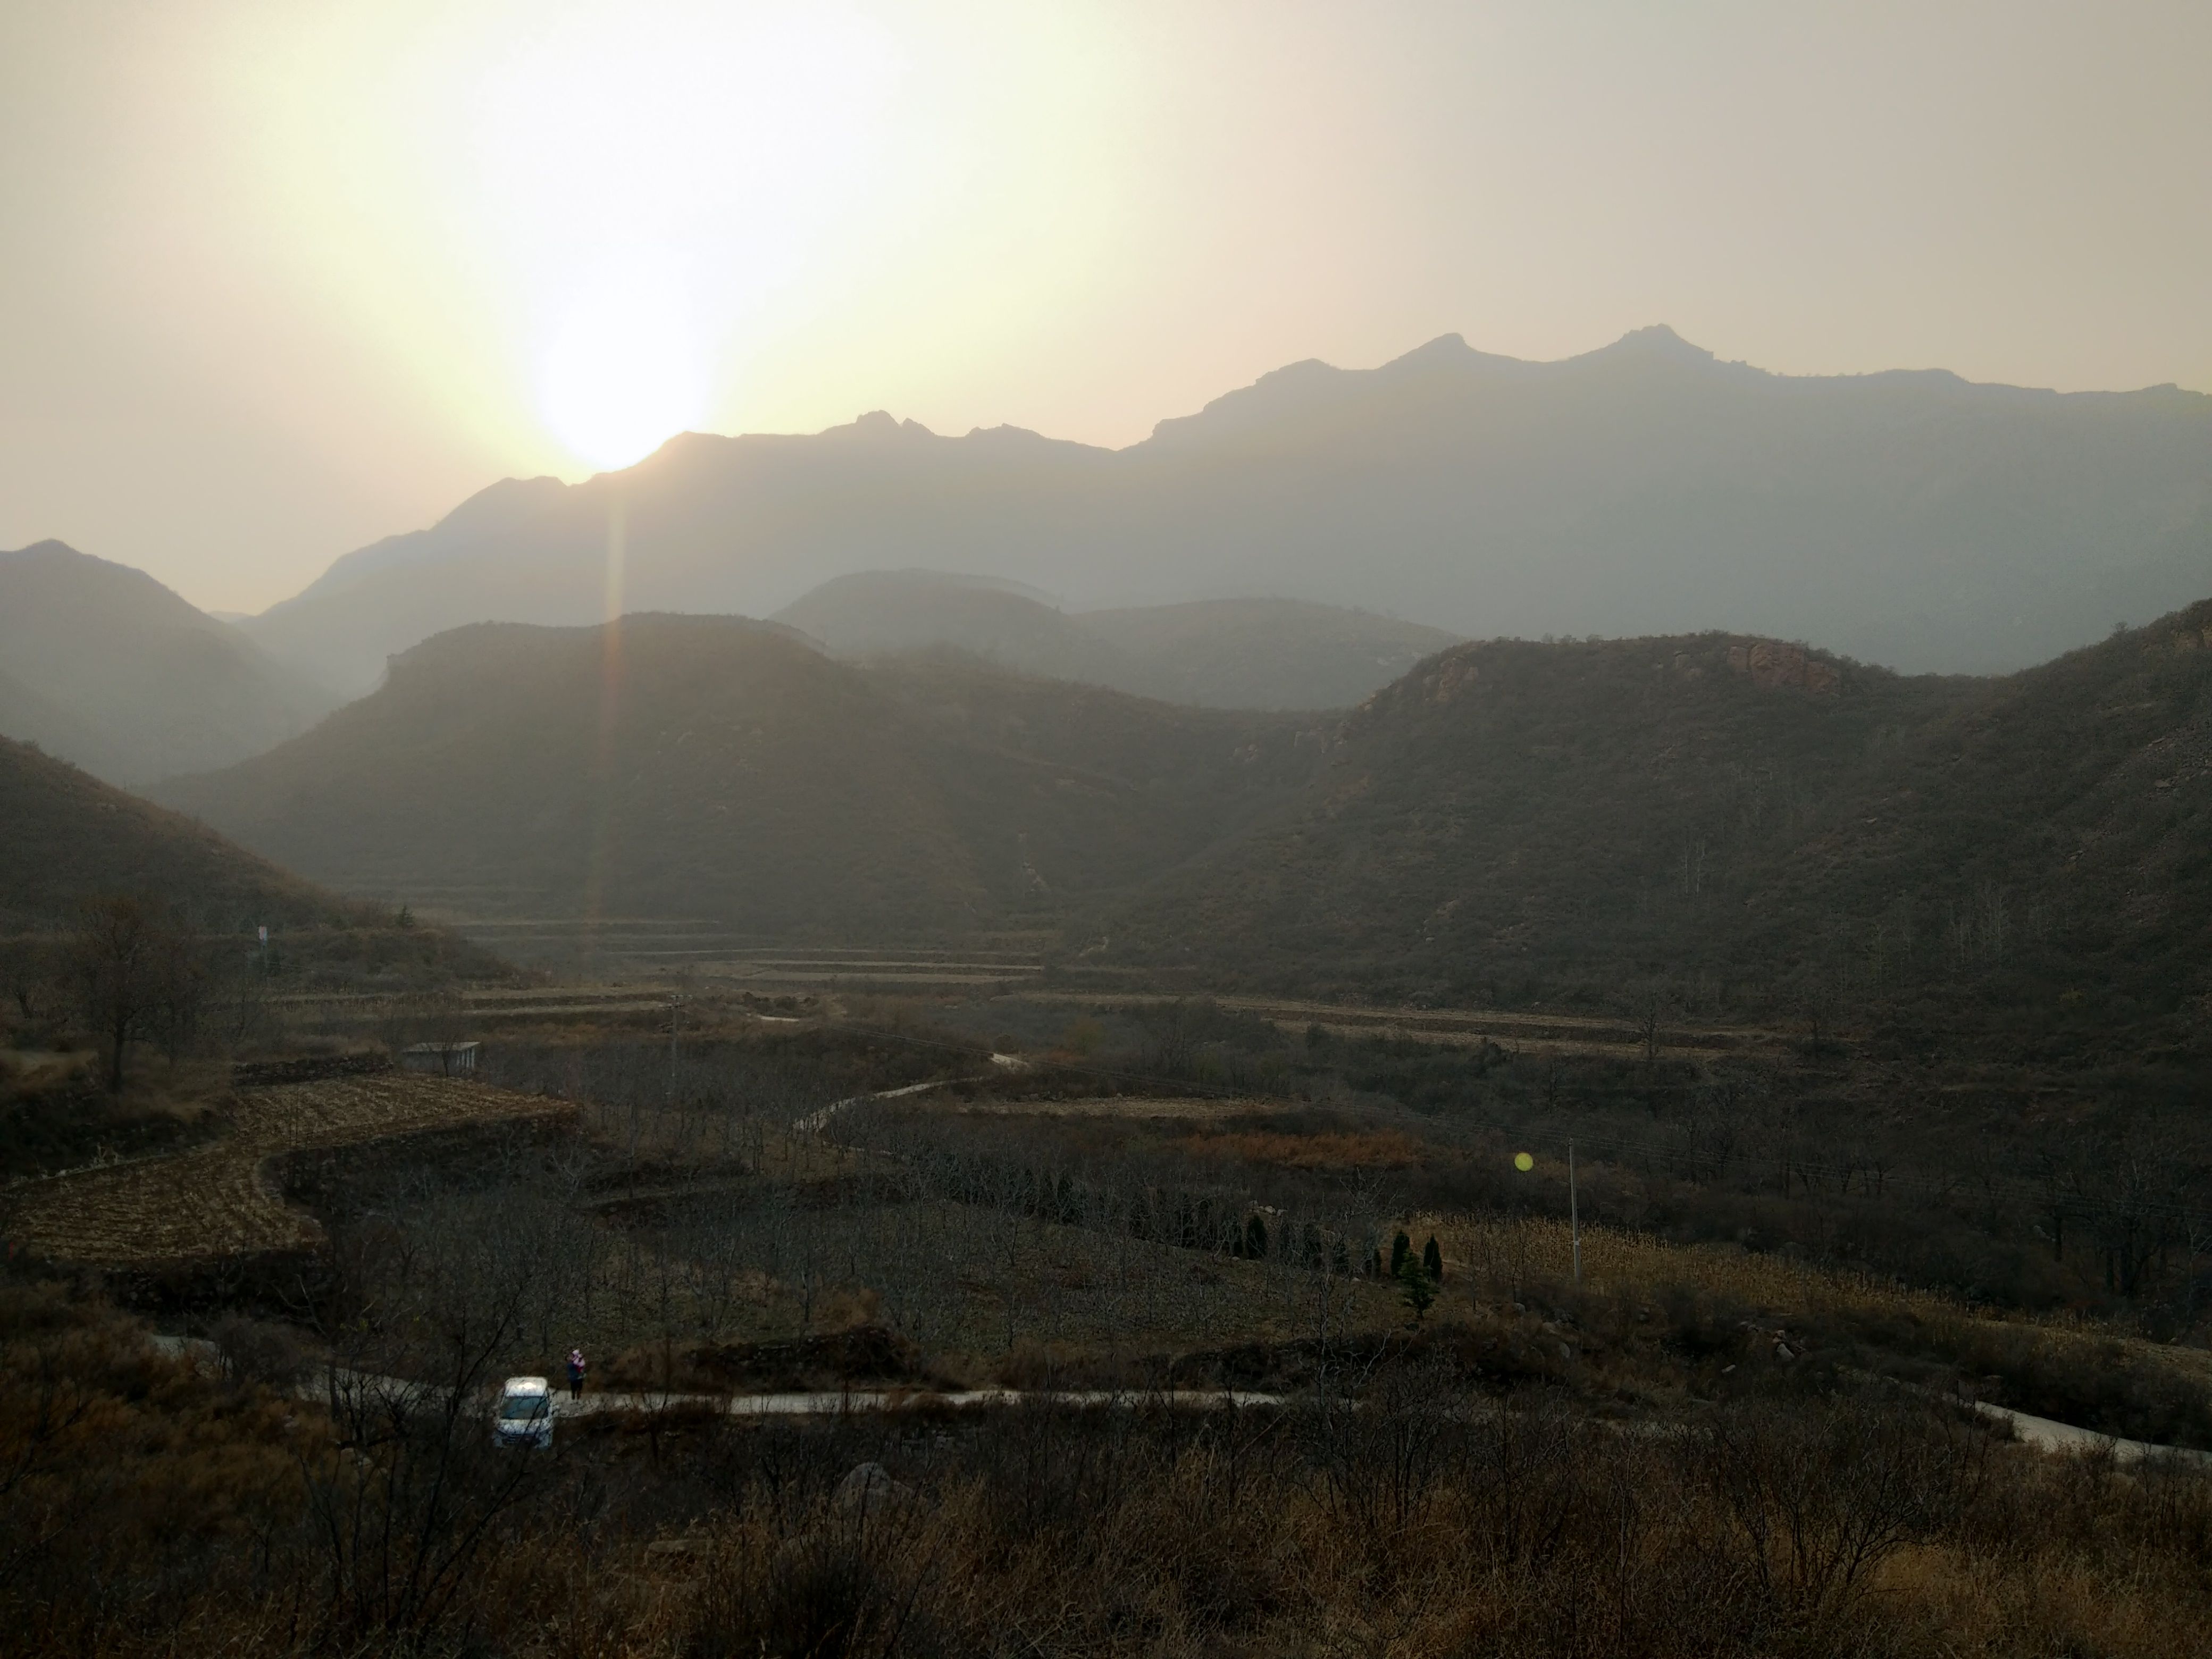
[(576, 227), (652, 172), (625, 363)]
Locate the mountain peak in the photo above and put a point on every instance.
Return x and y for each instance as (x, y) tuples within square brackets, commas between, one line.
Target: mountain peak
[(1657, 342), (879, 424), (1445, 348), (48, 549)]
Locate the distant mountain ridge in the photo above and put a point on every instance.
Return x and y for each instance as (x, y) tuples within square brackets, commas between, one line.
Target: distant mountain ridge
[(1219, 653), (103, 665), (1909, 518)]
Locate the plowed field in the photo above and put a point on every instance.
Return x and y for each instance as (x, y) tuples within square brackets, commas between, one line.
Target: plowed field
[(218, 1200)]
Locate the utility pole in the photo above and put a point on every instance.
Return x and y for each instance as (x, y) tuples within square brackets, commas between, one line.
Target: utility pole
[(674, 1002), (1574, 1212)]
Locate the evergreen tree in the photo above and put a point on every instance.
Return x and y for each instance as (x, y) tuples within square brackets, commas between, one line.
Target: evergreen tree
[(1415, 1288), (1401, 1247), (1432, 1260)]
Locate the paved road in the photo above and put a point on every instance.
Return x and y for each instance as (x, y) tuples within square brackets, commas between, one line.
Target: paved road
[(2046, 1435), (814, 1123), (827, 1402), (2040, 1432)]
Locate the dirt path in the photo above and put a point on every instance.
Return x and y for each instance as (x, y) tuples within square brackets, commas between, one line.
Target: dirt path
[(1458, 1027), (1002, 1064), (217, 1199)]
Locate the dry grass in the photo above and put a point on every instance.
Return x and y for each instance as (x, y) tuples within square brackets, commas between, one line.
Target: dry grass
[(1500, 1252), (1503, 1248), (1374, 1149), (218, 1199)]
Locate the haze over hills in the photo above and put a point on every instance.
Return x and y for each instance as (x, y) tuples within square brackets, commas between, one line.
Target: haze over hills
[(102, 664), (1218, 654), (1911, 519), (712, 767), (1511, 821)]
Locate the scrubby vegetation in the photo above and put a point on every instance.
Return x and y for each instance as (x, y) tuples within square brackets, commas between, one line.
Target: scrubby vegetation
[(1309, 1357), (1743, 824), (159, 1504)]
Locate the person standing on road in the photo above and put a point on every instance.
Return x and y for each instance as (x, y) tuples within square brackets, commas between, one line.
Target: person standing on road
[(575, 1373)]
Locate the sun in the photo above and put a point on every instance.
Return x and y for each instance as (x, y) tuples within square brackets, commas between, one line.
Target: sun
[(623, 367), (650, 173)]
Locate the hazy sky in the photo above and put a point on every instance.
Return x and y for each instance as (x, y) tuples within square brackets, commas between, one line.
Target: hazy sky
[(278, 278)]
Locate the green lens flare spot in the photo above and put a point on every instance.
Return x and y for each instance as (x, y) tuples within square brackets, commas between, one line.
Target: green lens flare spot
[(1524, 1162)]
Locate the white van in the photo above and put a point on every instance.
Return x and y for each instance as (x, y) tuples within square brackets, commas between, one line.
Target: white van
[(524, 1414)]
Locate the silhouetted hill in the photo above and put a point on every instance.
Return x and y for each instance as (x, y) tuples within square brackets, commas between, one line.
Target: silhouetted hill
[(107, 667), (1219, 653), (1911, 518), (1519, 819), (710, 767)]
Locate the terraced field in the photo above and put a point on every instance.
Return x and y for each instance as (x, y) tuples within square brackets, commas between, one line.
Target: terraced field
[(217, 1199)]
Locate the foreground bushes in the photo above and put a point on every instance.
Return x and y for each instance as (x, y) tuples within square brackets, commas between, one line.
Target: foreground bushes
[(148, 1507)]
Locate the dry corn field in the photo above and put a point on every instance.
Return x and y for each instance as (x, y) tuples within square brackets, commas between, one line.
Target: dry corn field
[(218, 1200), (1501, 1253), (1503, 1249)]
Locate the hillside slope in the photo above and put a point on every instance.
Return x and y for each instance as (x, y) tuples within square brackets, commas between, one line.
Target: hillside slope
[(709, 767), (1514, 809), (1911, 519), (1217, 653), (1519, 819), (106, 666), (2051, 825), (71, 839)]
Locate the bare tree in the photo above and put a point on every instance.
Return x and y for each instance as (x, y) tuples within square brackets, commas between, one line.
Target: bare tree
[(31, 977), (179, 974), (1817, 1497), (2139, 1181), (411, 1492), (117, 955)]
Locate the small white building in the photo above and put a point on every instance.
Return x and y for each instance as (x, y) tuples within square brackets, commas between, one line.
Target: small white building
[(440, 1058)]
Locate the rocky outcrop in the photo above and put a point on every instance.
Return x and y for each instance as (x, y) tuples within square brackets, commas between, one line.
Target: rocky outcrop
[(1774, 665)]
